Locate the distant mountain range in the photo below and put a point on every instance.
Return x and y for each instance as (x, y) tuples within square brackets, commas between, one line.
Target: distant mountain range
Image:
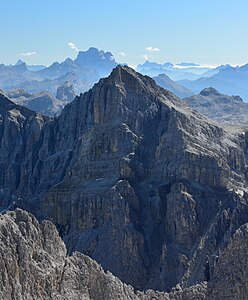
[(184, 70), (229, 80), (31, 67), (83, 72), (183, 79), (224, 78)]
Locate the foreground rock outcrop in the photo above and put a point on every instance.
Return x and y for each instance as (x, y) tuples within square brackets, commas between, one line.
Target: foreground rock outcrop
[(130, 176), (34, 265)]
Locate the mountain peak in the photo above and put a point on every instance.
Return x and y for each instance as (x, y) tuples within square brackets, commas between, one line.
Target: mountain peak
[(19, 62), (92, 55), (96, 59), (20, 66), (128, 76), (209, 91)]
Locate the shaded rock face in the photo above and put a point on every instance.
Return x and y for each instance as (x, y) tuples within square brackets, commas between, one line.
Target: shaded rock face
[(20, 128), (136, 180), (209, 91), (219, 107), (43, 103)]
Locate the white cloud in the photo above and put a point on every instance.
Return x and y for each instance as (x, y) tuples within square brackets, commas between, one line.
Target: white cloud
[(73, 46), (31, 53), (145, 56), (152, 49), (123, 54), (196, 67)]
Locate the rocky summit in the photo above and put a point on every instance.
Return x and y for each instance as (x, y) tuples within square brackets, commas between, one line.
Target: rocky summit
[(150, 189)]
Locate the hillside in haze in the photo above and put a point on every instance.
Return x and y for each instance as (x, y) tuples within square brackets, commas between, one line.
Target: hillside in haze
[(174, 87)]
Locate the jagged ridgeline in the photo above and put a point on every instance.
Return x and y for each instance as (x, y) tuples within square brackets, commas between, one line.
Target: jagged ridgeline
[(130, 176)]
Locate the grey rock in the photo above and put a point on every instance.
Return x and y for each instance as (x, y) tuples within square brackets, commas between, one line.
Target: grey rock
[(229, 280), (43, 102), (34, 265), (130, 176), (16, 94)]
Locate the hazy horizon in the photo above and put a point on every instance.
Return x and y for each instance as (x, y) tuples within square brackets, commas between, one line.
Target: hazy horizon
[(176, 64)]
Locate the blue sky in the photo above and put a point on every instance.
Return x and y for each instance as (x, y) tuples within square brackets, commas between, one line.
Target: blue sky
[(205, 32)]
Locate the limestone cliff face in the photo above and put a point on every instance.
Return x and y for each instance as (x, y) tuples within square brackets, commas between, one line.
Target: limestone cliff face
[(131, 177)]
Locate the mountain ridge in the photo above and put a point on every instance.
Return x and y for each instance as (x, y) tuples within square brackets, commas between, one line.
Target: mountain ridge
[(179, 90), (229, 80), (129, 171)]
